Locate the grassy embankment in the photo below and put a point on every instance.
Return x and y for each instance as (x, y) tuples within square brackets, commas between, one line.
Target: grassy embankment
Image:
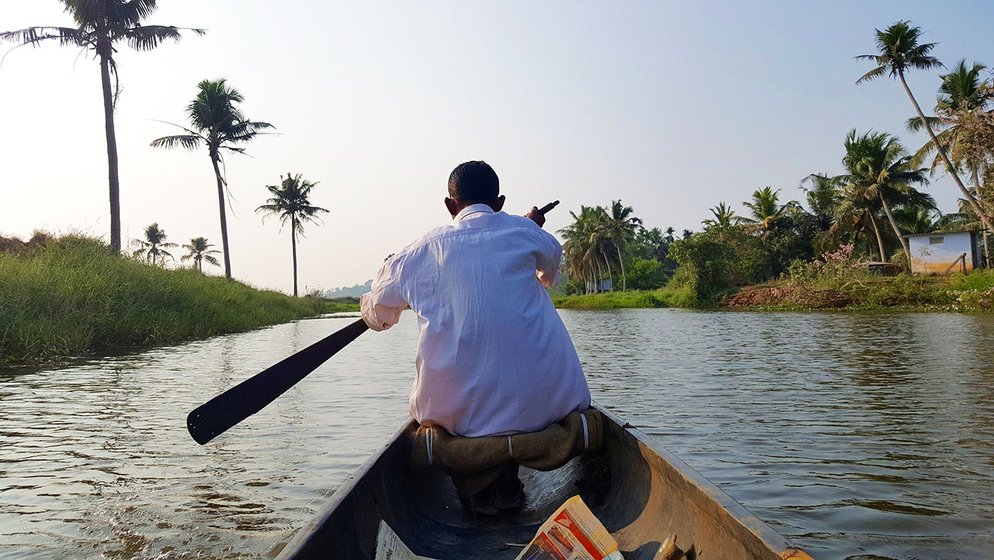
[(341, 305), (973, 292), (854, 291), (72, 296), (668, 296)]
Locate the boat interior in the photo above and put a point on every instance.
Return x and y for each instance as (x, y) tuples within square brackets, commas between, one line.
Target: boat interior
[(642, 495)]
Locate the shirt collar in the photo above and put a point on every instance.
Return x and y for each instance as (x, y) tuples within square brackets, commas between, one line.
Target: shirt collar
[(474, 209)]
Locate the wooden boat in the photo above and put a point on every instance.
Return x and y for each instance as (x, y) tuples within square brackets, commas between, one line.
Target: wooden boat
[(641, 492)]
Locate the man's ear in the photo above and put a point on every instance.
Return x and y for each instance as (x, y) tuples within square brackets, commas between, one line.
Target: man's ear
[(498, 203), (452, 206)]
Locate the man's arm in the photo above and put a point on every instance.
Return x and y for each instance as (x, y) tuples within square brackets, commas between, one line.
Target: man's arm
[(381, 307), (550, 251), (550, 256)]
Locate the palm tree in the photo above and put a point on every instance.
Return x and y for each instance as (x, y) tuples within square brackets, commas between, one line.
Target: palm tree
[(898, 50), (577, 247), (764, 205), (619, 228), (823, 198), (586, 250), (153, 249), (99, 25), (926, 220), (651, 244), (879, 170), (963, 97), (200, 250), (856, 216), (670, 234), (766, 208), (962, 89), (292, 204), (724, 217), (218, 124)]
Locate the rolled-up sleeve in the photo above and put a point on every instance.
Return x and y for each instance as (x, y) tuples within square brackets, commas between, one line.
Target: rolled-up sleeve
[(381, 307), (550, 256)]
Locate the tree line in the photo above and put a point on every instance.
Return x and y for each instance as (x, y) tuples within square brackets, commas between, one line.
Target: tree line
[(609, 246), (289, 202), (216, 122), (869, 208)]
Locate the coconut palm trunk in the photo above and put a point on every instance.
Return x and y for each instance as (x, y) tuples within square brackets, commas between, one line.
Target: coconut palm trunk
[(113, 177), (293, 249), (621, 263), (610, 271), (224, 220), (945, 157), (880, 240), (893, 224)]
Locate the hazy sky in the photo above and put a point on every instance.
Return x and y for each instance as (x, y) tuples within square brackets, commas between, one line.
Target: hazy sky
[(672, 107)]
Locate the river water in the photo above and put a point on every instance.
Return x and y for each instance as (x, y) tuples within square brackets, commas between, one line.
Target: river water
[(861, 436)]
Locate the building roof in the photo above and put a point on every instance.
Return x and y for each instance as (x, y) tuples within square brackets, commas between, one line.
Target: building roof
[(932, 233)]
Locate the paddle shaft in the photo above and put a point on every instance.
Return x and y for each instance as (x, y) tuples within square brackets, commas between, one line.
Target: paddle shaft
[(548, 207), (217, 415)]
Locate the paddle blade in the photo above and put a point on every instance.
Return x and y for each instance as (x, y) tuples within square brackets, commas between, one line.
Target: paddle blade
[(214, 417)]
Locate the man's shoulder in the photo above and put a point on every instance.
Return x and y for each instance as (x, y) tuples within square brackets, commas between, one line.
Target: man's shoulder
[(496, 221), (521, 221), (424, 240)]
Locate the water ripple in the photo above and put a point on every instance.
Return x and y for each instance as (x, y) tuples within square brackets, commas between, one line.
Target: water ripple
[(857, 436)]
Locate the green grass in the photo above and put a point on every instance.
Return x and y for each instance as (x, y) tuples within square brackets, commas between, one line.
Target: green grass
[(973, 292), (663, 297), (340, 305), (980, 280), (74, 297)]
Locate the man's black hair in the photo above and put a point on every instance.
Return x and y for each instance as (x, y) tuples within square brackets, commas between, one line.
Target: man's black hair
[(474, 181)]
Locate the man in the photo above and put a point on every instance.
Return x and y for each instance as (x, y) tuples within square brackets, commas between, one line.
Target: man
[(494, 357)]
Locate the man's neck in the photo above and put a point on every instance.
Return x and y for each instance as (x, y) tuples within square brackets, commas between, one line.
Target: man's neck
[(475, 208)]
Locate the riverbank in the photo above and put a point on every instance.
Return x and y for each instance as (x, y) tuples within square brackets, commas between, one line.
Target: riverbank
[(960, 293), (631, 299), (72, 296), (341, 305), (972, 292)]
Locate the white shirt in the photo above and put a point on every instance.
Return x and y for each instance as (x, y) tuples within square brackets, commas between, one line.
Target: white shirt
[(494, 356)]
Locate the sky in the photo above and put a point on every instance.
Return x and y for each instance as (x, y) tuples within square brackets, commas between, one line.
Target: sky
[(671, 107)]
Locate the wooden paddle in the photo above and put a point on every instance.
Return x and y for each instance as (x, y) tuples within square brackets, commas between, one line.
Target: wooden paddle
[(214, 417)]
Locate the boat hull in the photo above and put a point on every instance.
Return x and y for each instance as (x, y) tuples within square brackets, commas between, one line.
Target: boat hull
[(641, 492)]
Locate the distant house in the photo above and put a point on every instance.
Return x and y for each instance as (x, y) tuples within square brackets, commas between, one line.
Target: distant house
[(944, 253), (604, 285)]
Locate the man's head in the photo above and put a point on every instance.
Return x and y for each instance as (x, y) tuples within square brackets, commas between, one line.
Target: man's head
[(473, 182)]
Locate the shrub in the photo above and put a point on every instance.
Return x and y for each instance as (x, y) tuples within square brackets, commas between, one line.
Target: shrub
[(646, 274), (713, 262)]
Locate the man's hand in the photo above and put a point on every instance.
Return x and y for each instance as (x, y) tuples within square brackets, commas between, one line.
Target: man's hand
[(537, 214)]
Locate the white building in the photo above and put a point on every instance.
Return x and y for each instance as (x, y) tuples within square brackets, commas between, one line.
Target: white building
[(944, 253)]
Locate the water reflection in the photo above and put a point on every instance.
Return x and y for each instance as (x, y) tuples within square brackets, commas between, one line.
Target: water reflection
[(861, 436), (846, 432)]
